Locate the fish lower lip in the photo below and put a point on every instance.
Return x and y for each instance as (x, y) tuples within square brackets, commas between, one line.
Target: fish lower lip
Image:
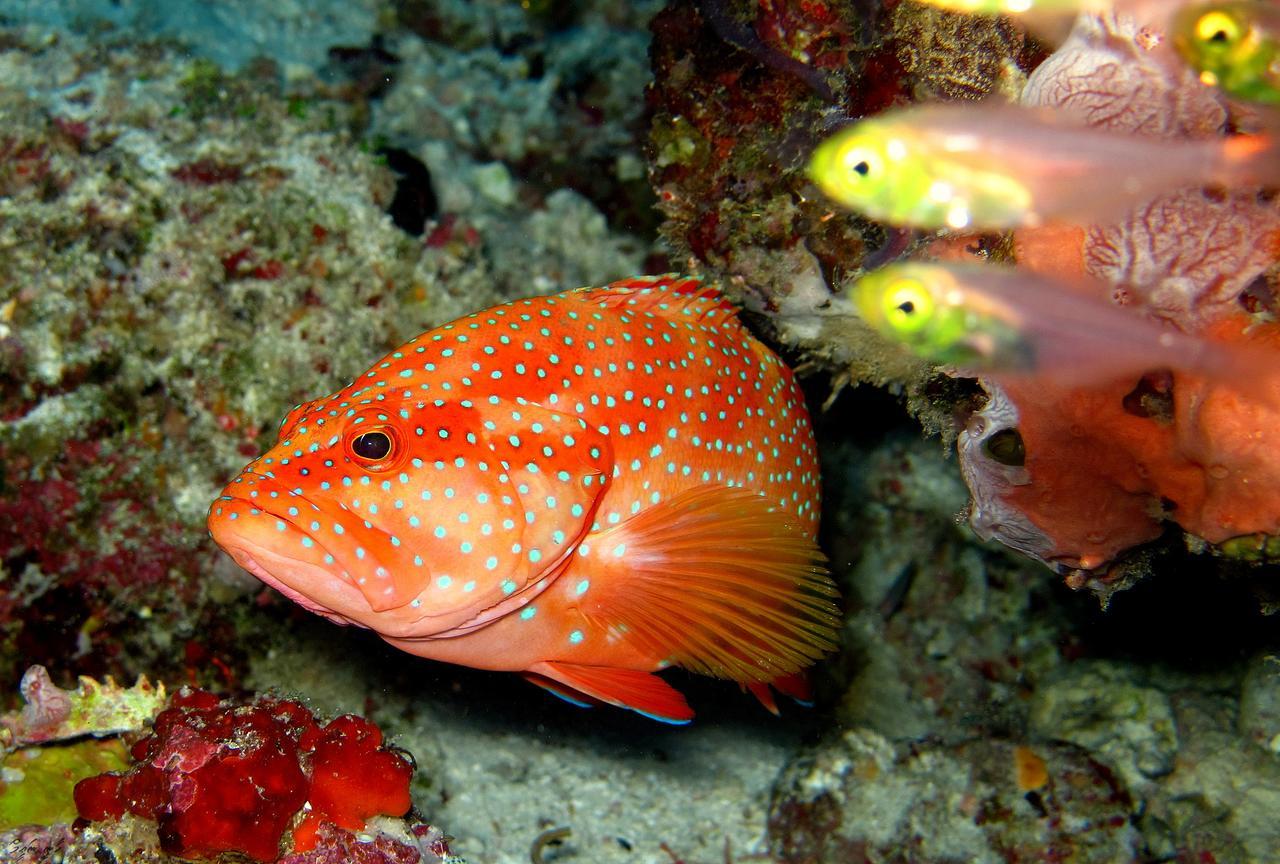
[(244, 558), (291, 521)]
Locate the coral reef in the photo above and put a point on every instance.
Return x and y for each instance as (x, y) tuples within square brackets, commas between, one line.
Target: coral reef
[(729, 127), (865, 800), (383, 841), (231, 33), (190, 245), (93, 708), (36, 781), (963, 667), (213, 777), (732, 125), (123, 400)]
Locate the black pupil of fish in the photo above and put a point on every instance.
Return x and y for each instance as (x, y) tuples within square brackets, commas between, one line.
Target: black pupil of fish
[(862, 168), (372, 445), (1218, 36), (906, 307)]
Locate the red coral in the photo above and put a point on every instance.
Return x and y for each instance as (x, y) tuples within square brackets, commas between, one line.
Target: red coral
[(353, 778), (218, 777), (98, 798)]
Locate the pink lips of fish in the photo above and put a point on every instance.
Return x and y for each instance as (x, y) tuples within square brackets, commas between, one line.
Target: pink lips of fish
[(585, 488)]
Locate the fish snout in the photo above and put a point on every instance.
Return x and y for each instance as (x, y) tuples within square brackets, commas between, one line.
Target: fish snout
[(331, 559), (292, 544), (269, 544)]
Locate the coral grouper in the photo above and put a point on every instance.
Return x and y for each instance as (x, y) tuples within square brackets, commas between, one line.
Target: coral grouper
[(585, 488)]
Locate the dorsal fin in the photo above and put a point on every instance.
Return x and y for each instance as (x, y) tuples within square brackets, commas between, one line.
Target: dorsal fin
[(669, 296)]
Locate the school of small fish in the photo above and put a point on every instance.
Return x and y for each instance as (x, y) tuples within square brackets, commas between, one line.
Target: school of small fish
[(995, 166), (1127, 340), (585, 488)]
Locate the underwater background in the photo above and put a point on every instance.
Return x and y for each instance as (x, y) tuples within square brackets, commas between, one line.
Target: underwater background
[(211, 212)]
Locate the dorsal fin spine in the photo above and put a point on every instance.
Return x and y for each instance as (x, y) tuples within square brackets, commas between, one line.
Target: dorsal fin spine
[(669, 295)]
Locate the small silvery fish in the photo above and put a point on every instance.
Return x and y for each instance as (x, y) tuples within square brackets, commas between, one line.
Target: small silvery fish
[(993, 166), (1048, 7), (1234, 45), (995, 321), (585, 488)]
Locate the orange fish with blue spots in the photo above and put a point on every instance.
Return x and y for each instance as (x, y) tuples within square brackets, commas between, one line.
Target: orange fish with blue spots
[(585, 488)]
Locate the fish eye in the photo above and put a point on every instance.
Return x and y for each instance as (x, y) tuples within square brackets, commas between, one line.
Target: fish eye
[(375, 449), (907, 305), (1217, 29), (863, 162), (374, 446)]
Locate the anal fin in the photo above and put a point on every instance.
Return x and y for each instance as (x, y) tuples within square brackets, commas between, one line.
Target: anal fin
[(558, 690), (795, 685), (642, 692)]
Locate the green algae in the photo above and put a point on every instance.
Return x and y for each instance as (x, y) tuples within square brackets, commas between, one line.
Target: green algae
[(36, 783), (1254, 548)]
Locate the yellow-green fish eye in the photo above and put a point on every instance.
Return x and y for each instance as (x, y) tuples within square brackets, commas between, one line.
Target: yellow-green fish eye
[(862, 162), (907, 305), (1234, 45), (1218, 31), (852, 167)]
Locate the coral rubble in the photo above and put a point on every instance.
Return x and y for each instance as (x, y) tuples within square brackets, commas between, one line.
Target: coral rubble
[(93, 708)]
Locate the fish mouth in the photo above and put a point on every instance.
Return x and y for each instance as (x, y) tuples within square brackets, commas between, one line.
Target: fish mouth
[(257, 535), (263, 525), (248, 556), (267, 534)]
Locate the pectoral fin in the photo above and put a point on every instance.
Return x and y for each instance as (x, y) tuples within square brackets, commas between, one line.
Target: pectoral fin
[(718, 581)]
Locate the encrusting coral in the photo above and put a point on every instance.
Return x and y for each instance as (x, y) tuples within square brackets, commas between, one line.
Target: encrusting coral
[(93, 708), (213, 778), (221, 777)]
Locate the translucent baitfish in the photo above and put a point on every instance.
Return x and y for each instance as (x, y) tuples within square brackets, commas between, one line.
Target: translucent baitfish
[(585, 488), (1234, 45), (987, 320), (1051, 7), (994, 166)]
